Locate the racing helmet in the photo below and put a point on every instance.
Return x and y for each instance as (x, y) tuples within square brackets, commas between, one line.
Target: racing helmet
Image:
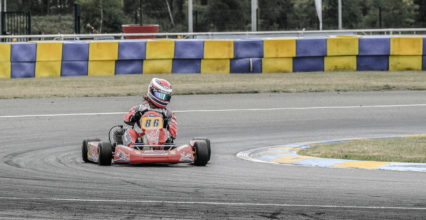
[(159, 92)]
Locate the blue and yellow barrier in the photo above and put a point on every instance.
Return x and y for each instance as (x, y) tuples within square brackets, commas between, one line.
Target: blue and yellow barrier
[(105, 58)]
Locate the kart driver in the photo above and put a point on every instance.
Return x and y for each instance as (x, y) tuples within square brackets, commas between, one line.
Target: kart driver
[(158, 96)]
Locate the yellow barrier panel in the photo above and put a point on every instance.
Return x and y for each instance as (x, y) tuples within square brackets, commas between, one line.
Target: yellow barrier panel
[(342, 46), (340, 63), (157, 66), (4, 52), (101, 68), (48, 69), (5, 65), (5, 70), (277, 65), (160, 49), (221, 66), (49, 51), (406, 46), (405, 63), (279, 48), (103, 50), (218, 49)]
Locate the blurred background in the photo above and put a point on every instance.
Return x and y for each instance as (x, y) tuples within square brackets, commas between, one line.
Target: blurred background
[(109, 16)]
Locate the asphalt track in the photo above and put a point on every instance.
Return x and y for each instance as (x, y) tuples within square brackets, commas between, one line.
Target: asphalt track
[(42, 175)]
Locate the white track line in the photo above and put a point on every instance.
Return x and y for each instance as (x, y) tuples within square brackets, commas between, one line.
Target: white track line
[(213, 203), (223, 110)]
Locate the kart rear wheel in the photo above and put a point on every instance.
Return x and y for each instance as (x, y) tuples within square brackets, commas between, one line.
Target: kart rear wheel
[(105, 154), (207, 142), (84, 149), (201, 154)]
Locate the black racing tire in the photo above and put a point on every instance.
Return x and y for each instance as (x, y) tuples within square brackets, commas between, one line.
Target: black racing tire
[(84, 149), (105, 154), (207, 142), (201, 155)]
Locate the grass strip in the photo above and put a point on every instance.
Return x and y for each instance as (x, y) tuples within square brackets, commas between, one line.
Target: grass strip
[(125, 85), (412, 149)]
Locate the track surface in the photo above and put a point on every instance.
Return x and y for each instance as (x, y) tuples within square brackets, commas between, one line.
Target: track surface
[(42, 174)]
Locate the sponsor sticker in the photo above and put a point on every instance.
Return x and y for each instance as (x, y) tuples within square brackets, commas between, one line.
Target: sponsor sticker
[(185, 157), (122, 156), (92, 153)]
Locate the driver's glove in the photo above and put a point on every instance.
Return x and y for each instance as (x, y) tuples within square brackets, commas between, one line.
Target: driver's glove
[(170, 138)]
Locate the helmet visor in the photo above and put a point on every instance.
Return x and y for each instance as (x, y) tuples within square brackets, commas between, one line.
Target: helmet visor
[(162, 96)]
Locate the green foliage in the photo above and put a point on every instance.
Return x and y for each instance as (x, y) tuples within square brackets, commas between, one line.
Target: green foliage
[(280, 13), (299, 14), (226, 15), (394, 14), (421, 15), (42, 7), (105, 16), (156, 12), (52, 24), (222, 15), (305, 15)]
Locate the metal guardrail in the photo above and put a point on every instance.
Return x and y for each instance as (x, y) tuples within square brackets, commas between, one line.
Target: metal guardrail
[(215, 35)]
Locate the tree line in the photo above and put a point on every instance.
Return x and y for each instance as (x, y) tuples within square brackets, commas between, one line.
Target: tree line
[(107, 16)]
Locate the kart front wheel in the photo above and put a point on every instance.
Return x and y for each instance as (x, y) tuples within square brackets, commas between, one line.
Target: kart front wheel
[(105, 154), (207, 142), (84, 149), (201, 153)]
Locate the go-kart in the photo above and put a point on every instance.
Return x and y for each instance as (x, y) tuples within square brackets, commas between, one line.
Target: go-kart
[(152, 147)]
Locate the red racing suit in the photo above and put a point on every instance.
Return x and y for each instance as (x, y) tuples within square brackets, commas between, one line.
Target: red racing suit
[(134, 116)]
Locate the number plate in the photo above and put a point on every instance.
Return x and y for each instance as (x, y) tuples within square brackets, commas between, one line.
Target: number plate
[(151, 122)]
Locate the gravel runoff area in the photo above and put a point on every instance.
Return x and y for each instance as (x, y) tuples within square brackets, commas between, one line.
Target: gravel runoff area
[(126, 85)]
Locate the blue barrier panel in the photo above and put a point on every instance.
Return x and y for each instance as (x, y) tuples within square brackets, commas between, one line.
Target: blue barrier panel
[(132, 50), (23, 52), (372, 63), (186, 66), (311, 47), (248, 48), (75, 51), (374, 46), (74, 68), (243, 65), (23, 69), (424, 46), (424, 62), (128, 67), (189, 49), (308, 64)]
